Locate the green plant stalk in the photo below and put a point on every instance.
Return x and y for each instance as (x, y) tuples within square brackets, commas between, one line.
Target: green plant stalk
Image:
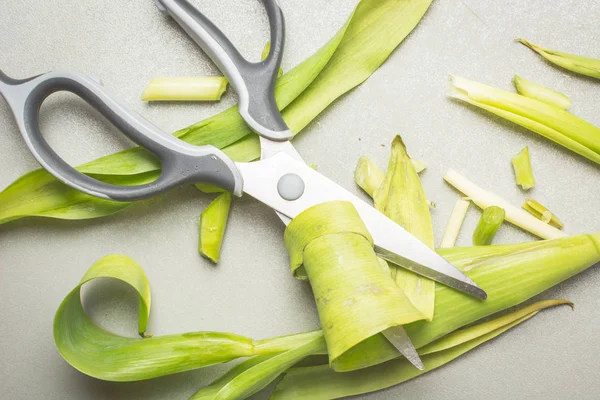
[(203, 88), (551, 122), (484, 199), (320, 382), (401, 198), (581, 65), (459, 212), (539, 211), (521, 163), (373, 31), (491, 219), (510, 274), (104, 355), (541, 93), (213, 222), (256, 373), (356, 298)]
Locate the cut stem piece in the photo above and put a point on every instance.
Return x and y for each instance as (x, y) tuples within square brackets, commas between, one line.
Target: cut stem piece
[(514, 215), (367, 175), (536, 209), (581, 65), (542, 93), (204, 88), (459, 212), (551, 122), (523, 172), (213, 222), (491, 219)]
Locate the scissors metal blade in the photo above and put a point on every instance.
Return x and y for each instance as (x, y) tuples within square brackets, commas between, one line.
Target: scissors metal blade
[(392, 242)]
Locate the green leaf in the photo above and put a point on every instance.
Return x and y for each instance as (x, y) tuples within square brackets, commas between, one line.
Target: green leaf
[(105, 355), (373, 31), (320, 382)]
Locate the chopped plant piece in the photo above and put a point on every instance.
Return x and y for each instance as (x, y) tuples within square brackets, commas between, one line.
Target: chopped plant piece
[(542, 93), (213, 222), (551, 122), (536, 209), (402, 199), (367, 175), (491, 219), (484, 199), (523, 172), (320, 382), (419, 165), (356, 298), (205, 88), (581, 65), (459, 212)]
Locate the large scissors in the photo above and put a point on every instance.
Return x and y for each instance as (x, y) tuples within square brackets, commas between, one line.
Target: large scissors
[(280, 179)]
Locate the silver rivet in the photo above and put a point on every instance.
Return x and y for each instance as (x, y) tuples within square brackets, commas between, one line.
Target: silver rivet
[(290, 187)]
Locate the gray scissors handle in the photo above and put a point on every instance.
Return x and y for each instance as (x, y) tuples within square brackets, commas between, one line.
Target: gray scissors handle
[(181, 162), (253, 82)]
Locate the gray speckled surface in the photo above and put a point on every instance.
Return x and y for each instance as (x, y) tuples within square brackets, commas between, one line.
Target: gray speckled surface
[(126, 43)]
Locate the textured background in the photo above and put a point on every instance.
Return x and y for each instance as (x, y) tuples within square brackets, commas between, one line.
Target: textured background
[(251, 292)]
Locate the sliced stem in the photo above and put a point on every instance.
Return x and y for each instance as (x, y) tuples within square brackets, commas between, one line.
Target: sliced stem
[(459, 212), (536, 209), (521, 163), (213, 222), (204, 88), (491, 219), (581, 65), (514, 215), (542, 93)]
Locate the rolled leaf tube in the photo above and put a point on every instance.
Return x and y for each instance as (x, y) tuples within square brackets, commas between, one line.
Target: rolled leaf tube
[(523, 172), (213, 222), (551, 122), (205, 88), (514, 215), (459, 212), (356, 298), (371, 34), (320, 382), (539, 211), (402, 199), (542, 93), (581, 65), (510, 275), (491, 219)]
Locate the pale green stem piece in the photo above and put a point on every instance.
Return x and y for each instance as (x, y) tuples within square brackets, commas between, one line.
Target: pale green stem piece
[(581, 65), (321, 383), (539, 211), (204, 88), (459, 212), (212, 224), (368, 175), (491, 219), (539, 92), (551, 122), (521, 163), (484, 199)]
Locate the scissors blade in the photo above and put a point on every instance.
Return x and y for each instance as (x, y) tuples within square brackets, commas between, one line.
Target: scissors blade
[(392, 241), (398, 337)]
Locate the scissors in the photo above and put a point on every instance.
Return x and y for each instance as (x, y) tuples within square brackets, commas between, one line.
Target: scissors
[(280, 179)]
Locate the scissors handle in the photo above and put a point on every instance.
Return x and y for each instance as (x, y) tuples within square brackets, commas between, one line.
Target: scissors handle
[(181, 162), (253, 82)]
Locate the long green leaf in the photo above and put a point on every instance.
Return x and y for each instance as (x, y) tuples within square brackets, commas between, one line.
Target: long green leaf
[(105, 355), (374, 30), (320, 382)]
